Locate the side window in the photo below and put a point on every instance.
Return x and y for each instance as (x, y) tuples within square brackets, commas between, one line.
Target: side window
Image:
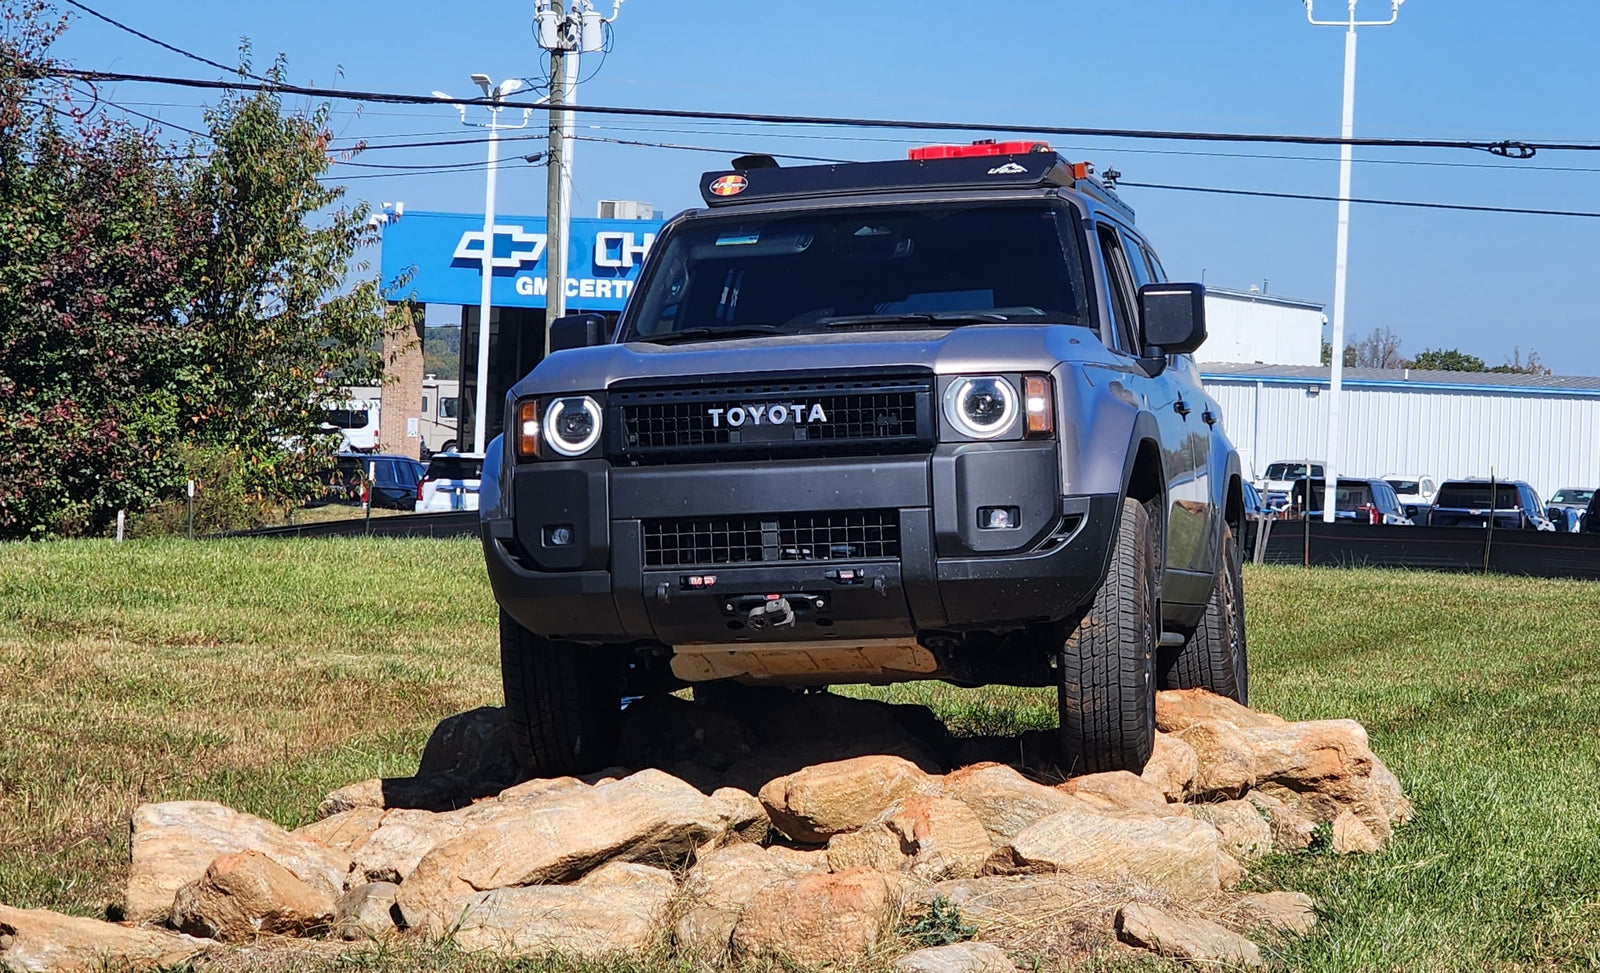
[(1136, 263), (1157, 274), (424, 405), (1119, 279)]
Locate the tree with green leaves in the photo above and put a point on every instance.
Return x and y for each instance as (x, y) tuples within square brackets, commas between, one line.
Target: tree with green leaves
[(1448, 360), (165, 310)]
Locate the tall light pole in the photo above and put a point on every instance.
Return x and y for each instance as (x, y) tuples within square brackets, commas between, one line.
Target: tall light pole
[(494, 94), (1342, 248)]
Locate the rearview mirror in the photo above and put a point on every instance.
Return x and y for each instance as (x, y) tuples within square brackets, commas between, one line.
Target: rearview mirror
[(577, 331), (1173, 317)]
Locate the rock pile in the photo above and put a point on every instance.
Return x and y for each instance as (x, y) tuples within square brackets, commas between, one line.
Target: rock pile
[(813, 828)]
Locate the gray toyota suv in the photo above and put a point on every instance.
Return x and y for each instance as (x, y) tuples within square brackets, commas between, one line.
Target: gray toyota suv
[(872, 422)]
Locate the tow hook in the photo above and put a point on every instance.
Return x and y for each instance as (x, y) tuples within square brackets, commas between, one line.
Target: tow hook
[(774, 613)]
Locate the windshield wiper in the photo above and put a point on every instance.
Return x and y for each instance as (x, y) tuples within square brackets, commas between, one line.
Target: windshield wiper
[(710, 334), (909, 319)]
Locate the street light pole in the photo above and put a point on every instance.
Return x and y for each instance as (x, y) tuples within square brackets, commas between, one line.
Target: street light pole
[(1342, 247), (494, 94)]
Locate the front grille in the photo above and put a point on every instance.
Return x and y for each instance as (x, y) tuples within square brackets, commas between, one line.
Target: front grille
[(835, 535), (880, 414)]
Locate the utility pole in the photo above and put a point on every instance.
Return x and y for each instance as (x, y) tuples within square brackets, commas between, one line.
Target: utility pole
[(1342, 246), (556, 219), (493, 94), (566, 34)]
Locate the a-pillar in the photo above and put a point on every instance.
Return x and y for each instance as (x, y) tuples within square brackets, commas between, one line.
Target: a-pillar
[(401, 418)]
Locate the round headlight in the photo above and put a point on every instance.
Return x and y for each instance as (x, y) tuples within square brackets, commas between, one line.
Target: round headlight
[(572, 425), (982, 408)]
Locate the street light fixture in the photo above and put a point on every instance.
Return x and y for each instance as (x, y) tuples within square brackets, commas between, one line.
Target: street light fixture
[(1342, 248), (494, 94)]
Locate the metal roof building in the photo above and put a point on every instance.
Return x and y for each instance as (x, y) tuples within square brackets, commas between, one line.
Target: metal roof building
[(1541, 428), (1253, 326)]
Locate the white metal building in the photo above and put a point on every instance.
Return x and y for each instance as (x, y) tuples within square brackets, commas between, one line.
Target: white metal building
[(1250, 326), (1544, 429)]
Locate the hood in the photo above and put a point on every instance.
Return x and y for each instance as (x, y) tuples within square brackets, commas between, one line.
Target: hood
[(971, 348)]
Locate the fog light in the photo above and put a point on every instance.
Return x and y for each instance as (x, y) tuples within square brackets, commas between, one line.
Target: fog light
[(558, 536), (999, 518)]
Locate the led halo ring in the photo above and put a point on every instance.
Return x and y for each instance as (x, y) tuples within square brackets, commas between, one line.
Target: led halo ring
[(958, 391), (552, 431)]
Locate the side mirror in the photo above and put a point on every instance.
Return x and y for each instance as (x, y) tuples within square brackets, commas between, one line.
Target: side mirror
[(577, 331), (1172, 317)]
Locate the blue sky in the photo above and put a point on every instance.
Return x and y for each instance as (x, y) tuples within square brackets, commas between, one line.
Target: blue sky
[(1449, 69)]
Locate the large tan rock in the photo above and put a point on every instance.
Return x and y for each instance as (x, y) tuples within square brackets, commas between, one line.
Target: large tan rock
[(1279, 912), (815, 919), (744, 816), (1291, 830), (620, 908), (956, 958), (1171, 767), (1314, 755), (365, 912), (343, 831), (648, 817), (826, 799), (1177, 709), (1003, 799), (38, 941), (931, 837), (1225, 763), (1245, 830), (1122, 789), (717, 889), (1199, 942), (1386, 791), (174, 843), (1176, 854), (1032, 915), (245, 895), (1351, 836)]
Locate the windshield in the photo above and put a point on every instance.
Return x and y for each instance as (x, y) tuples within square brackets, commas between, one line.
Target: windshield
[(455, 468), (1290, 471), (1406, 486), (346, 418), (1573, 496), (1349, 495), (1475, 496), (944, 264)]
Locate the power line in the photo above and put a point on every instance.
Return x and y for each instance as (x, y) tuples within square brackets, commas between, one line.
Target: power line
[(1412, 204), (1507, 148), (161, 43), (701, 148)]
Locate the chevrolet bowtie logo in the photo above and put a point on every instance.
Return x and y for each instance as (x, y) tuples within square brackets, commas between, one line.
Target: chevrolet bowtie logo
[(526, 248)]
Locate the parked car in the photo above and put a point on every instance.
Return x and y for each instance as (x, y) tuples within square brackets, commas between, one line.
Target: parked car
[(1415, 491), (1254, 507), (1591, 516), (1355, 500), (1573, 499), (394, 479), (1514, 505), (1280, 478), (451, 482)]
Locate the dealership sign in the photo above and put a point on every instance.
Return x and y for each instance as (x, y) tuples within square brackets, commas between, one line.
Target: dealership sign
[(443, 254)]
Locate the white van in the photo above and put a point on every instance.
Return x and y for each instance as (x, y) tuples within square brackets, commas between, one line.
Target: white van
[(356, 422)]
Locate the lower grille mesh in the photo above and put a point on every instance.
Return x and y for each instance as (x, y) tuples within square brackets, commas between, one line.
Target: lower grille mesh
[(833, 535)]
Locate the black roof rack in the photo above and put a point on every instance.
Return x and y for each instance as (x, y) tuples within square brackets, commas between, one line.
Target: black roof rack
[(1019, 171)]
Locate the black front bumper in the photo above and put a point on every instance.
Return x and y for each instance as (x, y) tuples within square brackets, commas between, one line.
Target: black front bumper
[(945, 573)]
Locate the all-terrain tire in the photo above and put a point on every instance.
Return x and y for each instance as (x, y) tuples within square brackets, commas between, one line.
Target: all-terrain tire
[(563, 702), (1106, 669), (1214, 658)]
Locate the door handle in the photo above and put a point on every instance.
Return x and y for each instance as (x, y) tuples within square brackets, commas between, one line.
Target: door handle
[(1210, 417), (1181, 408)]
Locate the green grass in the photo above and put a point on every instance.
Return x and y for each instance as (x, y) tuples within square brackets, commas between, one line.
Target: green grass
[(265, 673)]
